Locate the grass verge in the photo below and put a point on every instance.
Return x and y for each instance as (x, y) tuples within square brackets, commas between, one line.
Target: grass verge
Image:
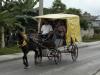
[(96, 37), (9, 50)]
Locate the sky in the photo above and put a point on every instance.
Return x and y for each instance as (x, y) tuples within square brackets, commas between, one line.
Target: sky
[(91, 6)]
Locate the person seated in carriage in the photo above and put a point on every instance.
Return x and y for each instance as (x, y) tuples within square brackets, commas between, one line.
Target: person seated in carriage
[(46, 29), (55, 34), (59, 34)]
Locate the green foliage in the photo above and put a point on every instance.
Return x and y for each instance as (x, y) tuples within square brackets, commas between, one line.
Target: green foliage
[(24, 5), (47, 11), (96, 30), (58, 7), (10, 50), (84, 23), (12, 8), (29, 23), (9, 9), (74, 11), (0, 38), (86, 39), (96, 37)]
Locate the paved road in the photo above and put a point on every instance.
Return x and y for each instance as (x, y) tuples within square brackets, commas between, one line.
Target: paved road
[(87, 64)]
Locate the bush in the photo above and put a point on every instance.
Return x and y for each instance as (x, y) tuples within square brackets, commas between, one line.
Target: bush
[(0, 38), (96, 37), (97, 31), (85, 39)]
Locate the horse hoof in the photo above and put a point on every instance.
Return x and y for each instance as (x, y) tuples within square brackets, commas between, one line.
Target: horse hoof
[(36, 63), (26, 67)]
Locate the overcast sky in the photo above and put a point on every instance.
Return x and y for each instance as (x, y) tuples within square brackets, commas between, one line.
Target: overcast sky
[(91, 6)]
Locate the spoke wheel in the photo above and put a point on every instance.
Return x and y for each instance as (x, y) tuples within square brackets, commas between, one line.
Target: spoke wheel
[(57, 57), (74, 52), (50, 55)]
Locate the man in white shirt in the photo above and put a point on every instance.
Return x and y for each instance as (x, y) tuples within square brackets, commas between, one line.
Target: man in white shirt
[(45, 29)]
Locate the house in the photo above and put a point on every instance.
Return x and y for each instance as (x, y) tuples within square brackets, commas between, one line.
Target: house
[(96, 22)]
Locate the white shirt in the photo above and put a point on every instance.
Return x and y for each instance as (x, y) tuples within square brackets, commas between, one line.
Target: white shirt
[(46, 29)]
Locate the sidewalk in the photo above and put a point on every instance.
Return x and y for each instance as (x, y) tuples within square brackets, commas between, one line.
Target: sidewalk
[(98, 73), (83, 44), (5, 58)]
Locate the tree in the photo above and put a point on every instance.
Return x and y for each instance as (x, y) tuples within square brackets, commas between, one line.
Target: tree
[(86, 20), (84, 23), (47, 10), (9, 10), (58, 7), (74, 11), (6, 20)]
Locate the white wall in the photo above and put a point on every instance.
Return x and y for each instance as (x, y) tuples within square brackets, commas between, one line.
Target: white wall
[(87, 33)]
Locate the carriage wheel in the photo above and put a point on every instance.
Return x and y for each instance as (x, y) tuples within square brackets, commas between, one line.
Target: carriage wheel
[(57, 57), (50, 55), (74, 52)]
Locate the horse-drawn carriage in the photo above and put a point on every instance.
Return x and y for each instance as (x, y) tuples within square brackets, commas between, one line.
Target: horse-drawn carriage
[(53, 48), (72, 36)]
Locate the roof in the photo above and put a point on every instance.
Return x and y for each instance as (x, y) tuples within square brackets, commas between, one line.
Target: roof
[(57, 16)]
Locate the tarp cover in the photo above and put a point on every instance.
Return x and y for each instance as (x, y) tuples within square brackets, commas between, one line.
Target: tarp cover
[(57, 16)]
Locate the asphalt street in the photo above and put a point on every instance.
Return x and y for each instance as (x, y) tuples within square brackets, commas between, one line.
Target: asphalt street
[(87, 64)]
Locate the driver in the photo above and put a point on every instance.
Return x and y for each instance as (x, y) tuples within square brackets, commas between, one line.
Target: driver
[(46, 29)]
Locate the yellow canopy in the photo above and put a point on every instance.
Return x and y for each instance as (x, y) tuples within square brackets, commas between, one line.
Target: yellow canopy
[(73, 25), (57, 16)]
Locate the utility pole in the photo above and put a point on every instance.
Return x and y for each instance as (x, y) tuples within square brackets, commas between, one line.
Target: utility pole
[(40, 13), (40, 7)]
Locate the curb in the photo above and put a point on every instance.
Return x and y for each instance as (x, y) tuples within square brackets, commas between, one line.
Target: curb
[(98, 73), (10, 60), (88, 44), (11, 57)]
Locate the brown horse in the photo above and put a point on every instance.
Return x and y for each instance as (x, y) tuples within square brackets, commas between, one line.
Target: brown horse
[(27, 45)]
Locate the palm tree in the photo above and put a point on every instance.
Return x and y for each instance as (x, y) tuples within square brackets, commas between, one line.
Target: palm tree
[(6, 20), (9, 10)]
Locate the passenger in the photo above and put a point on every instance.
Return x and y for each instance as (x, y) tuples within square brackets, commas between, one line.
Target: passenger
[(46, 29), (59, 34), (32, 35), (61, 29)]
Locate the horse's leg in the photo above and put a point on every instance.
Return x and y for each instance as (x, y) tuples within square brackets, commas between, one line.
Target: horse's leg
[(25, 61), (36, 56), (40, 53)]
